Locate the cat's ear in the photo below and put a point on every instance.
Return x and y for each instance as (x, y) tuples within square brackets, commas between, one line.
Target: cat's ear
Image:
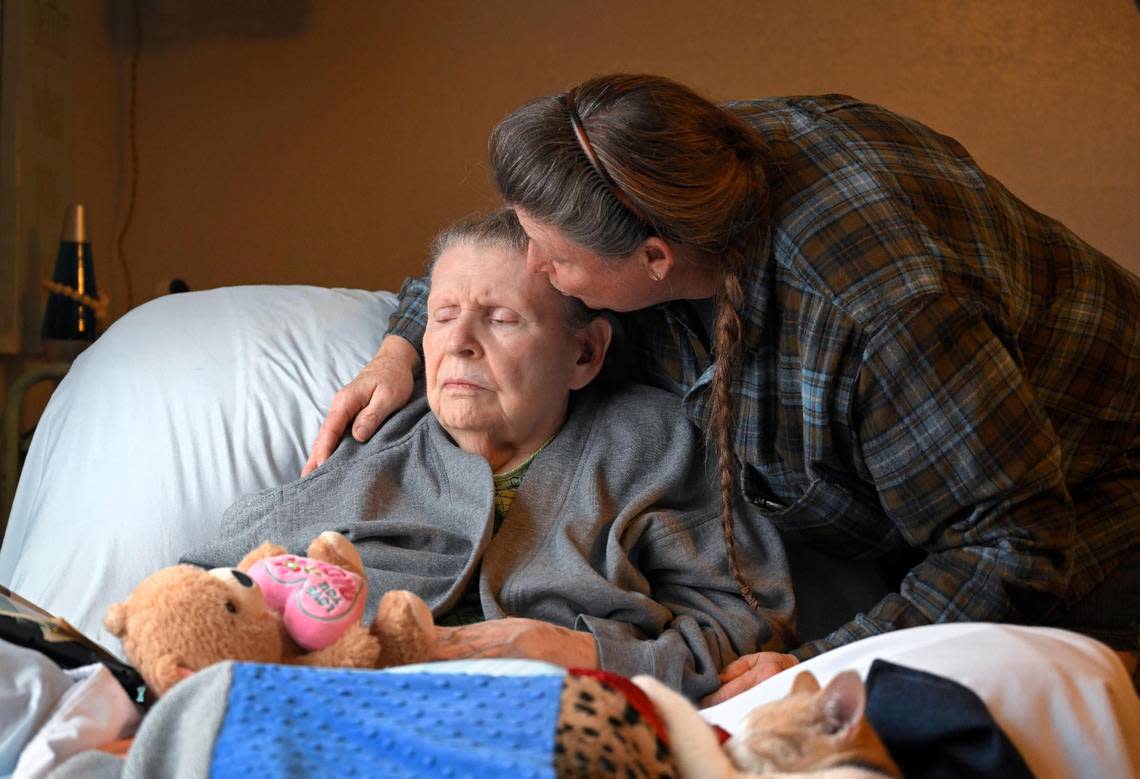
[(805, 681), (842, 702)]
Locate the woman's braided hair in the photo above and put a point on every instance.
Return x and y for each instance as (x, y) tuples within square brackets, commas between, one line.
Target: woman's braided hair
[(695, 175)]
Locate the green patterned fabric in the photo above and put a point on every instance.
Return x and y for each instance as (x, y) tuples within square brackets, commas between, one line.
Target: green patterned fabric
[(507, 485), (469, 609)]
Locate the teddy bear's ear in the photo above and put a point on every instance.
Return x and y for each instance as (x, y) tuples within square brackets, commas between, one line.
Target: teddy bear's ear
[(116, 619)]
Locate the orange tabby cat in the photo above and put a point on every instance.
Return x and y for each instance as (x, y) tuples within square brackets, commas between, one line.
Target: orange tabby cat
[(822, 734)]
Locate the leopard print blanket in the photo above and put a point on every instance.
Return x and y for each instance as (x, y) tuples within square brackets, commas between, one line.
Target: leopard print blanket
[(607, 727)]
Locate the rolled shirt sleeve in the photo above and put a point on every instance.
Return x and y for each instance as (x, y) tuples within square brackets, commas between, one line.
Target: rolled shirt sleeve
[(409, 320)]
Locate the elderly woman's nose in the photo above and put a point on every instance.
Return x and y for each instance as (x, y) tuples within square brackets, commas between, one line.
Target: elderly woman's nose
[(463, 339)]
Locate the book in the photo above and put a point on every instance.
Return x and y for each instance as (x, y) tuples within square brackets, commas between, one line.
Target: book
[(25, 624)]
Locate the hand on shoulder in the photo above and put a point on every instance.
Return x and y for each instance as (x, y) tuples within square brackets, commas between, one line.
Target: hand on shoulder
[(383, 386)]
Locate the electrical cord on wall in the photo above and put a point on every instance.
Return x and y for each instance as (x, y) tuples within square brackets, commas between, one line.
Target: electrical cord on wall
[(132, 150)]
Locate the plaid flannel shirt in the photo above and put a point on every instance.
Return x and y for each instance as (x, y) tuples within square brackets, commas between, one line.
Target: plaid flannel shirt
[(929, 365)]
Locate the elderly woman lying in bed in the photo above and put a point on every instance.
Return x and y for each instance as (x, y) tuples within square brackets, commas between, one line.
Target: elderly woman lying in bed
[(538, 517)]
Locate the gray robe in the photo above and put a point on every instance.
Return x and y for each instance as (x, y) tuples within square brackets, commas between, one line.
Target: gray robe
[(614, 530)]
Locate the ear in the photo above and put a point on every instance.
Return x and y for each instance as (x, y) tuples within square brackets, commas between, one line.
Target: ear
[(804, 682), (659, 257), (116, 619), (593, 342), (842, 703)]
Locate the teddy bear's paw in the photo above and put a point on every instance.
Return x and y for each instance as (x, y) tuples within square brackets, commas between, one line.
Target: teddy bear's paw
[(357, 648), (405, 628), (361, 648), (333, 547), (267, 549), (405, 607), (166, 672)]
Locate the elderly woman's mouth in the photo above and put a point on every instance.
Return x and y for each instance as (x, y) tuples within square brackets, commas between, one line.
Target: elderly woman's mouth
[(462, 384)]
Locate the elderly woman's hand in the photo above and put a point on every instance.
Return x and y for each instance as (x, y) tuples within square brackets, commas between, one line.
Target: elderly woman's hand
[(382, 387), (747, 672), (517, 637)]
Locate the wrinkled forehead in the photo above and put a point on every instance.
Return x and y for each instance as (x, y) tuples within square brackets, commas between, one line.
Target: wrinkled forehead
[(493, 274)]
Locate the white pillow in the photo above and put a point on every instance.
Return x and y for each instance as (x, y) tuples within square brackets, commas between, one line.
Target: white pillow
[(183, 405)]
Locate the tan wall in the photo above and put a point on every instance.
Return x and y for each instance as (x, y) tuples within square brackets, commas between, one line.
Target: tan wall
[(324, 145)]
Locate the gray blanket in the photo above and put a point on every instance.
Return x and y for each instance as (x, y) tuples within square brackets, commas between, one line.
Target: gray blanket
[(614, 530)]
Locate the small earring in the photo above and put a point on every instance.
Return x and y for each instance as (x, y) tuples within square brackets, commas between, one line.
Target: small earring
[(654, 275)]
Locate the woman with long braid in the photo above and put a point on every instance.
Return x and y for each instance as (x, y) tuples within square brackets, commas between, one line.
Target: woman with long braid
[(894, 358)]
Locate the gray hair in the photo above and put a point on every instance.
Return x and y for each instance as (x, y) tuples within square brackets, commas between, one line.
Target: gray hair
[(500, 230)]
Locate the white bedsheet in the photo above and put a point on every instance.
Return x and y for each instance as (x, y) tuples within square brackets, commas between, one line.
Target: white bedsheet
[(1064, 700), (48, 714)]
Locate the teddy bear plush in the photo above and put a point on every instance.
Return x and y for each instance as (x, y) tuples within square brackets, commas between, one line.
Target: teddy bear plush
[(272, 607)]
